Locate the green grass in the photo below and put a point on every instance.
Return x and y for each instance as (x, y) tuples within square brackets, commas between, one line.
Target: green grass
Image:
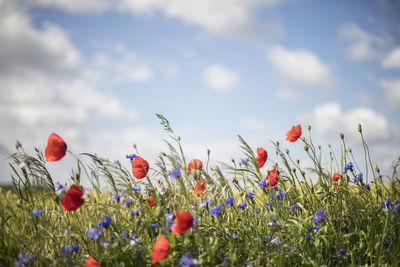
[(256, 235)]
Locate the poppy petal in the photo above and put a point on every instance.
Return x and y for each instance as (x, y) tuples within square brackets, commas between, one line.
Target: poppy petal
[(140, 167), (195, 164), (160, 249), (294, 133), (183, 222), (55, 149), (91, 262), (72, 199)]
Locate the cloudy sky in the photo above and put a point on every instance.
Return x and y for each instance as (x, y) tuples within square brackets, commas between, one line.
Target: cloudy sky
[(96, 72)]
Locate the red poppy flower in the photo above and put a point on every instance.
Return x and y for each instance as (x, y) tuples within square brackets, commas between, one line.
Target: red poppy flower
[(56, 148), (336, 177), (150, 201), (195, 164), (199, 187), (92, 262), (160, 249), (272, 177), (262, 156), (72, 199), (182, 223), (294, 133), (140, 167)]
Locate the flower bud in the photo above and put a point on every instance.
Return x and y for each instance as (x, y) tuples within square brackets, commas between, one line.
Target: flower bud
[(208, 151), (163, 153), (308, 127), (306, 147), (341, 135), (359, 128)]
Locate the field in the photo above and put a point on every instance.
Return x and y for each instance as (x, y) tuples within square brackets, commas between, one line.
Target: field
[(181, 212)]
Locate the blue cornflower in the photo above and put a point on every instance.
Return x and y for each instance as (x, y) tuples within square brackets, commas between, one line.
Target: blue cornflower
[(187, 262), (367, 187), (319, 216), (293, 207), (280, 195), (24, 259), (349, 166), (136, 188), (269, 204), (242, 205), (105, 222), (216, 210), (126, 202), (386, 243), (310, 231), (36, 212), (154, 225), (234, 235), (132, 156), (206, 203), (291, 249), (266, 238), (136, 211), (229, 201), (169, 217), (396, 207), (94, 233), (175, 173), (317, 228), (70, 248), (342, 252), (386, 205), (244, 161), (275, 242), (194, 219), (117, 196), (262, 183), (251, 195), (60, 189), (358, 178)]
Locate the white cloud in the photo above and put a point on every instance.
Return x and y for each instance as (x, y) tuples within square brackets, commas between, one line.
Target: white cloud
[(27, 49), (329, 120), (287, 95), (219, 78), (392, 60), (391, 90), (362, 45), (300, 65), (76, 6)]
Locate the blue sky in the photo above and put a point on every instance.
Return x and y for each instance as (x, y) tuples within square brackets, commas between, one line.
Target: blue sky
[(97, 71)]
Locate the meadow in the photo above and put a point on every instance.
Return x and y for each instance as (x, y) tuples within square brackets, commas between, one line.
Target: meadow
[(182, 212)]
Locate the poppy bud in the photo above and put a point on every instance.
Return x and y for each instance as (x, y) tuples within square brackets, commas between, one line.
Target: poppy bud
[(359, 128), (341, 136), (208, 151), (306, 147), (308, 127), (163, 153), (287, 151)]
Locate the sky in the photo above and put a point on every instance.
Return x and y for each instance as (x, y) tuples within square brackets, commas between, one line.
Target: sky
[(97, 71)]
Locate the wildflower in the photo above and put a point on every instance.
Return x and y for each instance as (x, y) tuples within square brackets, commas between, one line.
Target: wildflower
[(386, 243), (272, 178), (266, 238), (242, 205), (271, 223), (72, 199), (386, 205), (216, 210), (194, 219), (251, 195), (140, 167), (342, 252), (269, 204), (291, 249), (154, 225), (132, 156), (261, 156), (367, 187), (136, 188), (206, 203), (136, 211), (229, 201), (275, 242), (396, 207), (117, 196), (349, 166), (199, 187), (175, 173), (244, 161), (280, 195), (338, 178), (294, 133), (126, 202), (22, 259), (55, 149), (195, 164), (262, 183), (169, 217), (317, 228), (319, 216), (293, 207), (36, 212), (150, 201), (94, 233), (105, 222), (310, 231), (187, 262), (160, 249), (358, 178), (134, 240), (91, 262), (60, 189), (183, 222), (70, 248)]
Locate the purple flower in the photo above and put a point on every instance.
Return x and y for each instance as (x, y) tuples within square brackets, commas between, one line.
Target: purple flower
[(187, 262), (175, 173), (60, 189), (280, 195), (206, 203), (117, 196), (269, 204), (293, 208), (154, 225), (244, 161), (136, 211), (126, 202), (105, 222), (242, 205), (94, 233), (396, 207), (70, 248), (342, 252), (216, 210), (251, 195), (36, 212), (132, 156), (319, 216), (229, 201), (136, 188), (349, 166), (367, 187), (262, 183)]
